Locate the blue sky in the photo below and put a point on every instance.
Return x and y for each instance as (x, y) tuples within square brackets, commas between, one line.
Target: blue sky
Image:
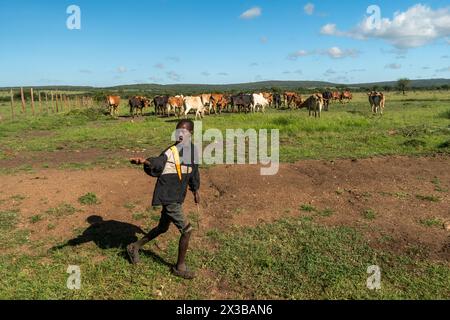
[(206, 41)]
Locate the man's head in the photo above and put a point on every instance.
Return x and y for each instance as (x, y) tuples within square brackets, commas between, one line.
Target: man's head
[(184, 131)]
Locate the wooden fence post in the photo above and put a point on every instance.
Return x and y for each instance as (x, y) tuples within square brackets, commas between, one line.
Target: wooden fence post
[(12, 105), (23, 100), (46, 101), (40, 103), (32, 101), (53, 102), (56, 100)]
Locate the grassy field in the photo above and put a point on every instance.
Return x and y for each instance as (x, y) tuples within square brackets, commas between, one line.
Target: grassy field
[(412, 125), (291, 258)]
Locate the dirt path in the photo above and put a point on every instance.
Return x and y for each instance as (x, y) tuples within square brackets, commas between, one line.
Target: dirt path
[(239, 196)]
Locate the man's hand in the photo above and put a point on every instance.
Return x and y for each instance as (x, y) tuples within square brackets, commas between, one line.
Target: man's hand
[(137, 161), (197, 197)]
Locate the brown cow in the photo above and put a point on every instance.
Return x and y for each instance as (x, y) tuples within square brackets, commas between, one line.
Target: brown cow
[(137, 105), (336, 96), (346, 95), (268, 96), (292, 98), (113, 105), (218, 102), (176, 104)]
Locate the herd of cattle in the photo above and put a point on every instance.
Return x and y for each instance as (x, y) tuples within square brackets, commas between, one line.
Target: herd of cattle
[(257, 102)]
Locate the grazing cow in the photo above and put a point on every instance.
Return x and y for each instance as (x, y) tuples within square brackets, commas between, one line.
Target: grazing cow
[(346, 95), (113, 105), (175, 104), (137, 105), (194, 103), (327, 97), (377, 101), (242, 102), (268, 96), (336, 96), (289, 98), (259, 103), (206, 100), (218, 102), (292, 98), (277, 100), (160, 103), (314, 104)]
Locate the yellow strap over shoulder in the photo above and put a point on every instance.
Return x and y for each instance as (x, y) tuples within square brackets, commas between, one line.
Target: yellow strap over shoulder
[(176, 157)]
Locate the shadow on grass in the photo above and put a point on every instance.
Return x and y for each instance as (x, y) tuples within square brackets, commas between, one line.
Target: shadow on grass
[(109, 234)]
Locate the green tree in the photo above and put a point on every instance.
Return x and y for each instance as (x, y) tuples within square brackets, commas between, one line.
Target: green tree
[(402, 84)]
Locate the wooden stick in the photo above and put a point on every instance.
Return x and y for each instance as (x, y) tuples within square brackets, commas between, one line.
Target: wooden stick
[(56, 100), (23, 100), (12, 105), (46, 101), (32, 101), (40, 103), (53, 102)]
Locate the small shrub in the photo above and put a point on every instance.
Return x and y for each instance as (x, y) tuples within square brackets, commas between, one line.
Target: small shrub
[(88, 199), (307, 208), (369, 214)]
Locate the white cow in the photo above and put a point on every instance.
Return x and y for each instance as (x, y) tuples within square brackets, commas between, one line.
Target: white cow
[(194, 103), (206, 100), (259, 102)]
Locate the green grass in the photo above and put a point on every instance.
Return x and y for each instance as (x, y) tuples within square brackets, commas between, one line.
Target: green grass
[(288, 259), (369, 214), (438, 185), (36, 218), (430, 198), (416, 127), (307, 208), (432, 222), (89, 199), (62, 210)]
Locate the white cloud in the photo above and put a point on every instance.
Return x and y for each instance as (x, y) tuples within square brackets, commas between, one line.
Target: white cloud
[(298, 54), (393, 66), (334, 52), (122, 69), (338, 53), (251, 13), (309, 9), (417, 26)]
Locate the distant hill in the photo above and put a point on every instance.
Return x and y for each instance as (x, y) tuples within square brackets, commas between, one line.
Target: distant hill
[(251, 86)]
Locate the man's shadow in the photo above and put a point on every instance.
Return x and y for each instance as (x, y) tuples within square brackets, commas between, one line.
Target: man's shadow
[(110, 234)]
